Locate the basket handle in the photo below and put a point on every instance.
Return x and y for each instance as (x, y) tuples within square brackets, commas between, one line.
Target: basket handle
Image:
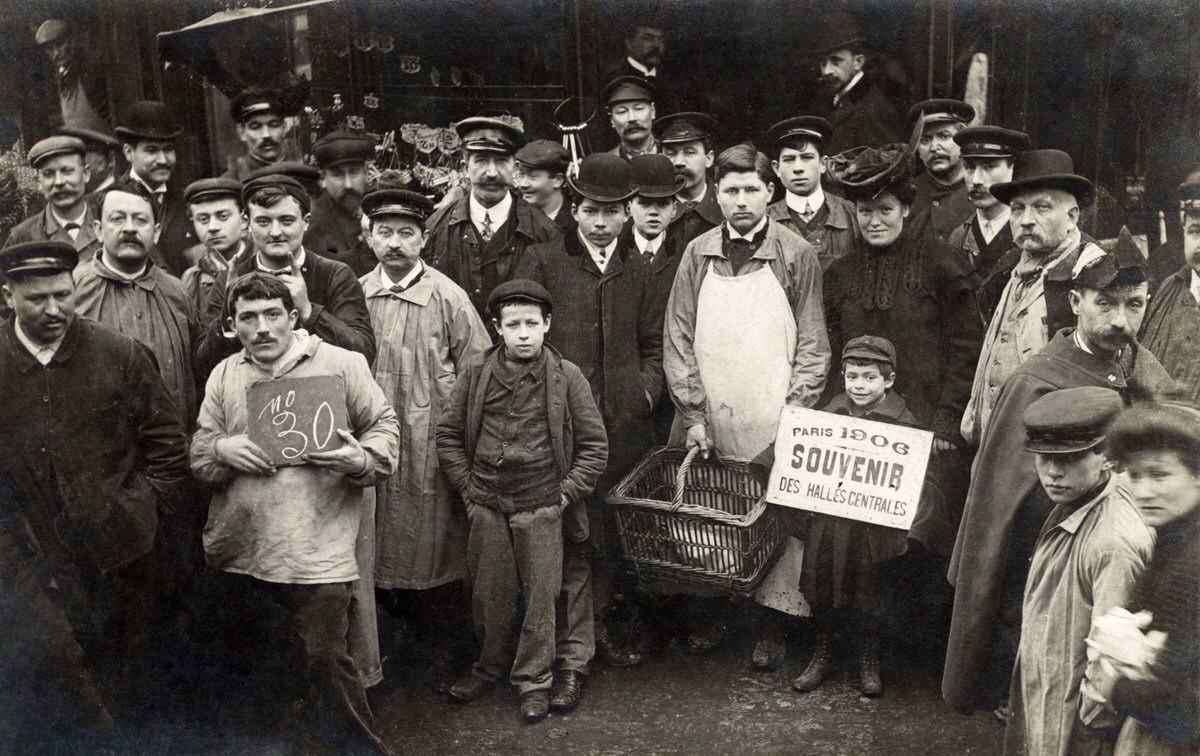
[(681, 478)]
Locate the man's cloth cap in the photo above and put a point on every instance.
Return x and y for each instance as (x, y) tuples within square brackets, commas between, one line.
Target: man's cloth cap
[(51, 30), (1070, 420), (1044, 169), (654, 176), (802, 129), (286, 183), (253, 102), (991, 142), (484, 134), (628, 88), (410, 204), (343, 147), (603, 178), (1124, 265), (148, 119), (206, 190), (865, 172), (55, 145), (941, 111), (518, 289), (308, 176), (684, 127), (545, 155), (869, 347), (38, 257)]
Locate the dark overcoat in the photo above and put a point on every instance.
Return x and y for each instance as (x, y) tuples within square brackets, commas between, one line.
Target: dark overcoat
[(1171, 330)]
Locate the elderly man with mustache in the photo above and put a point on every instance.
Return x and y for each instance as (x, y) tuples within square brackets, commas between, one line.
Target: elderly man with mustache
[(62, 174)]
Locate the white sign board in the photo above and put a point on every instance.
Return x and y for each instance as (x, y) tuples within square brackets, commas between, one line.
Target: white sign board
[(849, 467)]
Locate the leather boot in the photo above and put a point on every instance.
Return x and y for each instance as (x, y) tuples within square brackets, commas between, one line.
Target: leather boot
[(872, 683), (818, 666)]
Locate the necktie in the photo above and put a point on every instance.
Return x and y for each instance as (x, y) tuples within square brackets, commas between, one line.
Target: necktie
[(601, 255), (808, 213), (72, 230), (486, 231)]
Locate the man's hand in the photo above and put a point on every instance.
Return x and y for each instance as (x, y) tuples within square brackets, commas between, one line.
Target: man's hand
[(298, 289), (697, 435), (942, 445), (349, 458), (243, 455)]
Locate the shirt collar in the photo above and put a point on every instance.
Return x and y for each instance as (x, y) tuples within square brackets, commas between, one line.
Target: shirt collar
[(43, 353), (160, 189), (640, 68), (498, 213), (750, 237), (1194, 285), (798, 203), (405, 282), (849, 85), (258, 263), (303, 345), (698, 200), (121, 274), (595, 251), (648, 246), (1071, 522), (62, 222), (989, 228)]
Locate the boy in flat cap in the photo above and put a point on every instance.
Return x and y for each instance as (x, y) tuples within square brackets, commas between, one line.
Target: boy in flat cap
[(941, 189), (1090, 552), (540, 175), (478, 239), (1004, 513), (68, 217), (419, 547), (1172, 326), (261, 119), (215, 207), (335, 226), (630, 103), (521, 440), (686, 140), (826, 221)]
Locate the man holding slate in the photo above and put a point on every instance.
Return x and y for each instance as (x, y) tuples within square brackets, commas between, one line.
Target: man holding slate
[(290, 529)]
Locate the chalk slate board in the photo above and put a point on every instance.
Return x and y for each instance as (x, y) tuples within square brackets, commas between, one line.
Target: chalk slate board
[(291, 417)]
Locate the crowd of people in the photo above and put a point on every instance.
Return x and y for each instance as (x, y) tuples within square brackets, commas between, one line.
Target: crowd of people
[(502, 359)]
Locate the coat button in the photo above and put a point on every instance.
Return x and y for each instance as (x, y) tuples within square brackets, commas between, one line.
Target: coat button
[(46, 398)]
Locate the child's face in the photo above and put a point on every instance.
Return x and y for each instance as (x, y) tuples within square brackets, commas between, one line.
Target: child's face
[(865, 384), (652, 215), (523, 329), (1066, 477), (1163, 487)]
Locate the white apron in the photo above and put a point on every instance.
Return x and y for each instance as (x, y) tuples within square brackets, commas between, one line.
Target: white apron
[(744, 343)]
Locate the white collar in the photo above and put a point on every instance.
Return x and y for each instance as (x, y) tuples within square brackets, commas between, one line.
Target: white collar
[(300, 339), (160, 189), (733, 232), (498, 213), (640, 68), (119, 273), (258, 263), (989, 228), (1079, 342), (405, 282), (647, 246), (62, 222), (698, 200), (43, 353), (600, 255), (1195, 285), (849, 85), (798, 203)]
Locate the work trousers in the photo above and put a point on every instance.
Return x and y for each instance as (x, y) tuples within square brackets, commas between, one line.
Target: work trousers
[(575, 628), (364, 625), (510, 557)]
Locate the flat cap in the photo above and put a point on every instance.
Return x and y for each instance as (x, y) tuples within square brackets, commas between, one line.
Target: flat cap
[(38, 257), (1124, 265), (941, 111), (51, 29), (308, 176), (279, 181), (209, 189), (628, 89), (91, 136), (1070, 420), (397, 202), (518, 289), (343, 147), (991, 141), (801, 128), (544, 154), (55, 145), (484, 134), (256, 101), (684, 127), (869, 347)]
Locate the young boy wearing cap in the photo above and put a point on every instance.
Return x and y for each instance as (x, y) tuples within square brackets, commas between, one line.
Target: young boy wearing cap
[(1090, 552), (844, 578), (540, 176), (521, 440), (215, 207)]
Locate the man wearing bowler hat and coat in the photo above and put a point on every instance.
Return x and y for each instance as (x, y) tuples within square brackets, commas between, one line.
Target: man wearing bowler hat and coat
[(606, 322)]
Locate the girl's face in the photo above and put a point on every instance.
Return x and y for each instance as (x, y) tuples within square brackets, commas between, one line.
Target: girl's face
[(1163, 487)]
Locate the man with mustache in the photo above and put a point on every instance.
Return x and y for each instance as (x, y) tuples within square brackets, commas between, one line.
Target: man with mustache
[(67, 216), (215, 207), (82, 87), (92, 456), (327, 296), (630, 102), (478, 239), (148, 132), (942, 188), (540, 176), (686, 140), (1005, 508), (335, 228), (261, 119)]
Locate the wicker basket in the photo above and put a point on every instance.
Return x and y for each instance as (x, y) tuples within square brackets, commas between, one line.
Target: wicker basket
[(696, 521)]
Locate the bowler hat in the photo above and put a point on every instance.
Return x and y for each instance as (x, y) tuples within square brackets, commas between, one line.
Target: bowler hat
[(866, 172), (678, 128), (941, 111), (869, 347), (520, 290), (628, 88), (801, 128), (38, 257), (837, 31), (148, 119), (397, 202), (1070, 420), (343, 147), (654, 176), (1044, 169), (486, 134), (545, 155), (55, 145), (1124, 265), (208, 189), (990, 142), (602, 177), (51, 29)]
